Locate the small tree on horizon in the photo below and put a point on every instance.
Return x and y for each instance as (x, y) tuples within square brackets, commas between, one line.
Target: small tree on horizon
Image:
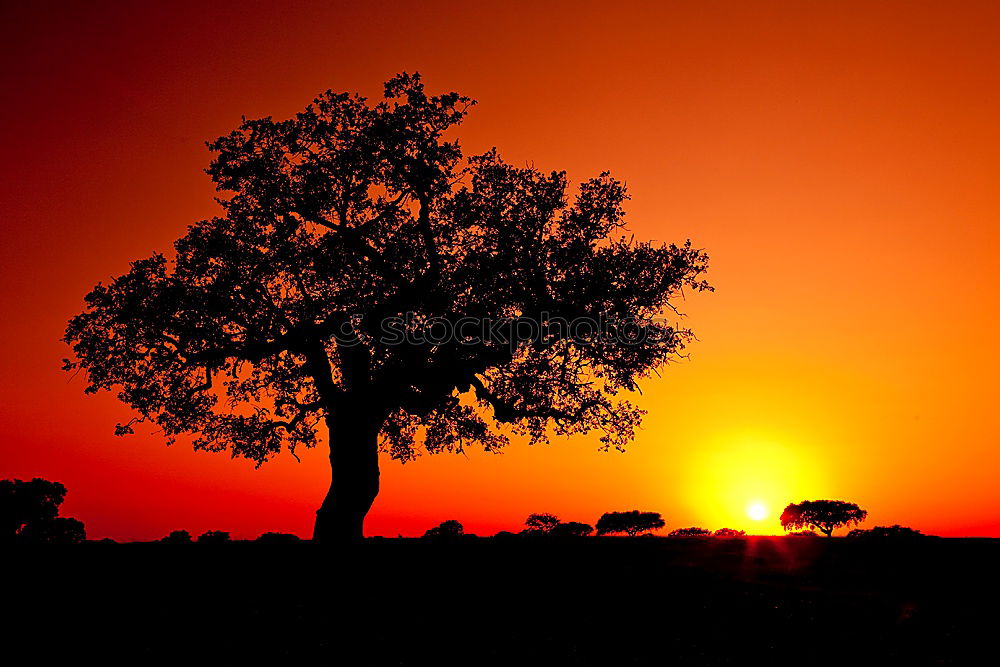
[(449, 529), (630, 523), (693, 531), (823, 515), (344, 231), (177, 537), (729, 532), (541, 523), (572, 529), (214, 537)]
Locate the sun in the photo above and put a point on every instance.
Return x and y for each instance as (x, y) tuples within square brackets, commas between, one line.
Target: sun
[(757, 511)]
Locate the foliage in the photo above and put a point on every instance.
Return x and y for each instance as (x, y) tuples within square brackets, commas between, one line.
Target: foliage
[(729, 532), (631, 523), (177, 537), (571, 529), (277, 538), (29, 513), (541, 523), (213, 537), (823, 515), (894, 532), (802, 533), (270, 319), (450, 529), (694, 531)]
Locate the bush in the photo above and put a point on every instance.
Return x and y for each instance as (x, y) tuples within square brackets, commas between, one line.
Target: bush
[(693, 531), (213, 537)]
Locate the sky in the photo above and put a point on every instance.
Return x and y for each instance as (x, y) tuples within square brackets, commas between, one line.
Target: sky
[(838, 161)]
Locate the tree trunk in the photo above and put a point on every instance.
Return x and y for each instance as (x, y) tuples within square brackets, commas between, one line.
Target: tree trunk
[(354, 481)]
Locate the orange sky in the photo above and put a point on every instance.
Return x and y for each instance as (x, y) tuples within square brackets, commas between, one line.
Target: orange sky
[(839, 161)]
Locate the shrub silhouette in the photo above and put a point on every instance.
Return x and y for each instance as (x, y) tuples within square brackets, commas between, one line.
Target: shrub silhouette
[(894, 532), (541, 523), (277, 538), (571, 529), (450, 529), (631, 523), (802, 533), (213, 537), (823, 515), (29, 513), (693, 531), (336, 221), (729, 532), (177, 537)]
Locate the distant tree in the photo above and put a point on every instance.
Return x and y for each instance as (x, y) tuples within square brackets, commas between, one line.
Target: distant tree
[(541, 523), (58, 530), (802, 533), (505, 535), (694, 531), (631, 523), (572, 529), (894, 532), (450, 529), (29, 512), (823, 515), (729, 532), (278, 538), (213, 537), (280, 317), (177, 537)]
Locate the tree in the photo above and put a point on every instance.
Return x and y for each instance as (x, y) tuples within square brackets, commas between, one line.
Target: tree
[(572, 529), (694, 531), (729, 532), (631, 523), (177, 537), (823, 515), (213, 537), (541, 523), (57, 530), (277, 538), (450, 529), (353, 234), (893, 533), (29, 512)]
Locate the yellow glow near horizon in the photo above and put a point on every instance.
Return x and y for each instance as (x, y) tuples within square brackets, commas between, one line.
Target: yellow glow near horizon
[(743, 481)]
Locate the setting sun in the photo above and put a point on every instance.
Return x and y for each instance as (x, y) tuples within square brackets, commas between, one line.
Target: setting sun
[(757, 511)]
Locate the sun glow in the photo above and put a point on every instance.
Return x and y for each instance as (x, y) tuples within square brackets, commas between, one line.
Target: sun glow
[(757, 511), (744, 480)]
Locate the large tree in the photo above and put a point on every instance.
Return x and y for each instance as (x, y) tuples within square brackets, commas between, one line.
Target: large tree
[(823, 515), (348, 233)]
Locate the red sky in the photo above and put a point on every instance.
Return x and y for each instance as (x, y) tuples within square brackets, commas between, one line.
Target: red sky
[(839, 161)]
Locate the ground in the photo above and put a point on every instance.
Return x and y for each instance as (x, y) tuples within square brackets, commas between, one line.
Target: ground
[(592, 601)]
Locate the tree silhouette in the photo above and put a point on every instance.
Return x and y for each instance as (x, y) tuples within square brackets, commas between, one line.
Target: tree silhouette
[(893, 533), (177, 537), (572, 529), (350, 234), (29, 513), (277, 538), (693, 531), (541, 523), (631, 523), (213, 537), (449, 529), (823, 515), (729, 532)]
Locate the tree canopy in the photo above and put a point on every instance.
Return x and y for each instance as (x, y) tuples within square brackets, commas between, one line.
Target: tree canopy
[(348, 235), (29, 512), (823, 515), (631, 523)]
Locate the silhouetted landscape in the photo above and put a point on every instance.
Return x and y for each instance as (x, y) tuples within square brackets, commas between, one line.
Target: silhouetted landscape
[(487, 601), (691, 307)]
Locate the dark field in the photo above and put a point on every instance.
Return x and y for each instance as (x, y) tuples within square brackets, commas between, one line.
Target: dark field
[(641, 601)]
